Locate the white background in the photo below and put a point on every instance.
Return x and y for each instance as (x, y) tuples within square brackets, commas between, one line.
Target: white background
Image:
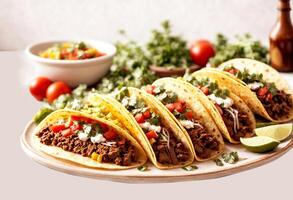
[(26, 21)]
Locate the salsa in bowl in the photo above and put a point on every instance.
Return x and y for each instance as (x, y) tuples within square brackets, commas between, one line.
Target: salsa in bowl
[(87, 69)]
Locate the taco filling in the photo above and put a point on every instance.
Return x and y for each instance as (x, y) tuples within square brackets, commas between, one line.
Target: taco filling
[(89, 138), (236, 121), (167, 148), (276, 102), (204, 143)]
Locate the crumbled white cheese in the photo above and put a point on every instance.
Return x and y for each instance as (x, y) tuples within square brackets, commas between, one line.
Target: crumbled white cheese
[(132, 100), (83, 136), (124, 102), (187, 124), (226, 103), (148, 126), (255, 85), (98, 139)]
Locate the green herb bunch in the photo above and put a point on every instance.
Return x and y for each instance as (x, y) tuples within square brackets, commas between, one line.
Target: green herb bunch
[(167, 50), (243, 47)]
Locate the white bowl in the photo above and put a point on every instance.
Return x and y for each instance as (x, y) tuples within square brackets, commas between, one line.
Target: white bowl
[(72, 72)]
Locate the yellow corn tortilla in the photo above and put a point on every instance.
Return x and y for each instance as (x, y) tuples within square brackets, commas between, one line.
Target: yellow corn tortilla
[(191, 98), (241, 89), (128, 121), (237, 102), (79, 159)]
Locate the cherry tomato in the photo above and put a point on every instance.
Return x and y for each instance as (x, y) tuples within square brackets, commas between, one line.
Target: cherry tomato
[(151, 134), (57, 128), (178, 107), (38, 87), (150, 89), (104, 126), (181, 101), (67, 132), (219, 109), (170, 107), (139, 118), (262, 91), (201, 51), (122, 141), (189, 115), (56, 89), (205, 90), (110, 135), (147, 114)]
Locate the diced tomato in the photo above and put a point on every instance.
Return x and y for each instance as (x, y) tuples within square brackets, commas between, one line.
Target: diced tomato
[(179, 107), (151, 134), (269, 96), (170, 107), (189, 115), (139, 118), (147, 114), (76, 127), (219, 109), (81, 118), (262, 91), (150, 89), (110, 135), (67, 132), (104, 126), (205, 90), (57, 128), (232, 71)]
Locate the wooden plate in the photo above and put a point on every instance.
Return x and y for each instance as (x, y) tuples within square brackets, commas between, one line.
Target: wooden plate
[(206, 170)]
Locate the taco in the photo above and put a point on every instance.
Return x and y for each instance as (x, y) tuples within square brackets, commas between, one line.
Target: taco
[(92, 142), (259, 85), (190, 115), (153, 127), (231, 114)]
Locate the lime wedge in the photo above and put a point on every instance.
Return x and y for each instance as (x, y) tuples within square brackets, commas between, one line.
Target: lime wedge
[(259, 144), (278, 132)]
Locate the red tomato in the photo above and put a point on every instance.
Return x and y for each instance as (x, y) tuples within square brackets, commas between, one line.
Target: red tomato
[(76, 127), (139, 118), (219, 109), (110, 135), (151, 134), (181, 101), (201, 51), (38, 87), (262, 91), (189, 115), (56, 89), (104, 126), (150, 89), (205, 90), (233, 71), (67, 132), (170, 107), (57, 128), (178, 107), (147, 114)]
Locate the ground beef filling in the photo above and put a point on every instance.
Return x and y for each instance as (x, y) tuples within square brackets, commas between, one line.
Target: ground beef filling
[(204, 144), (122, 153), (244, 130), (278, 106), (173, 152)]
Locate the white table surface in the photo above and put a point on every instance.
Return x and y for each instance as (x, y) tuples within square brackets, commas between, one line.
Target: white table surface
[(21, 178)]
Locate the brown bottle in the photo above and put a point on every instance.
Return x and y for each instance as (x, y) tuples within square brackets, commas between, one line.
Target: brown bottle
[(281, 39)]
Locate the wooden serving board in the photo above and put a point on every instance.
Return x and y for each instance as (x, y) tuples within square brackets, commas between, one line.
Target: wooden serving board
[(206, 170)]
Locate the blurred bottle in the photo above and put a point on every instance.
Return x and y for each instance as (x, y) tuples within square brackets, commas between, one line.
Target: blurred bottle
[(281, 39)]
